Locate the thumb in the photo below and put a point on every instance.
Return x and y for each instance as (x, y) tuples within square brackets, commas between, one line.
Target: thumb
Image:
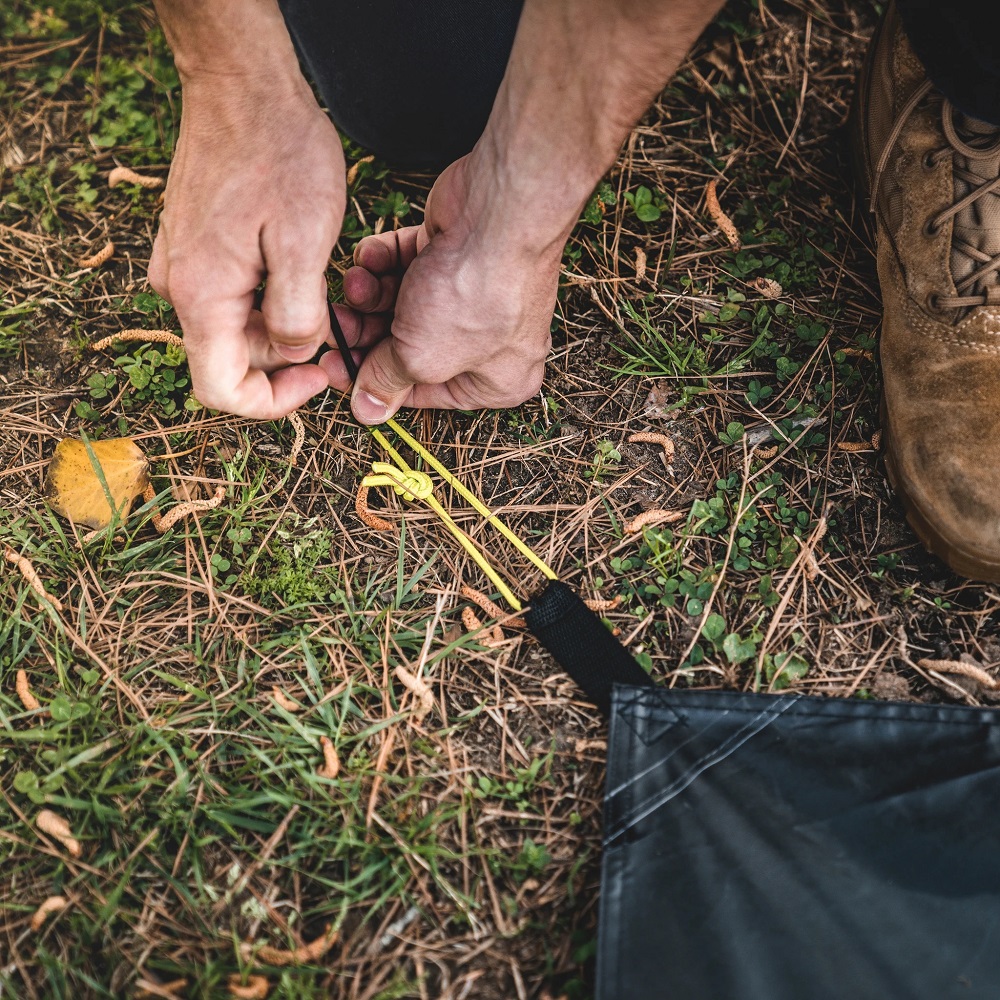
[(383, 384), (294, 309)]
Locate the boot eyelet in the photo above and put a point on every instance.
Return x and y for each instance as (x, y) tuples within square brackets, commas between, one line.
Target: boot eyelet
[(929, 161), (931, 228), (933, 304)]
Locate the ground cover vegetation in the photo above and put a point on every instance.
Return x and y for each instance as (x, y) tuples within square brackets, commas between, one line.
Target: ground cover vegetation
[(194, 683)]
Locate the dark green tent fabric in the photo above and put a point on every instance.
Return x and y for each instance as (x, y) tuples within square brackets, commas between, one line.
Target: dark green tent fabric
[(764, 847)]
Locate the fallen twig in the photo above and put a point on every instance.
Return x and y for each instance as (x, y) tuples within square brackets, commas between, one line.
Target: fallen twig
[(101, 257), (312, 952), (648, 517), (331, 762), (123, 175), (51, 905), (369, 517), (31, 576), (969, 670), (147, 336), (23, 689), (164, 522), (300, 436), (652, 437), (720, 218)]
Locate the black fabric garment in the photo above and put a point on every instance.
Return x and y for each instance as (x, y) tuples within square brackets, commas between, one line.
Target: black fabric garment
[(412, 82), (959, 44), (764, 847)]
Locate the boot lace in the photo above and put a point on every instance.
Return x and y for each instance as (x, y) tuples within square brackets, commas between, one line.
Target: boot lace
[(982, 147)]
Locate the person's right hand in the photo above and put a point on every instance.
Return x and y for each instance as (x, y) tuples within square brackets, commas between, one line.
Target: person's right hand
[(256, 190)]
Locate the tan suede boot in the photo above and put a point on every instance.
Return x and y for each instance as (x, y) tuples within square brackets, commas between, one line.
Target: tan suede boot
[(933, 176)]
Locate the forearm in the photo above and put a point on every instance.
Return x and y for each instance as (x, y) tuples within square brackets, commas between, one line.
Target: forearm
[(581, 73), (241, 39)]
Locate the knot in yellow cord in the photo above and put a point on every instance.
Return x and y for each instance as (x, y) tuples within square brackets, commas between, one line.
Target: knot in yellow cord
[(408, 483)]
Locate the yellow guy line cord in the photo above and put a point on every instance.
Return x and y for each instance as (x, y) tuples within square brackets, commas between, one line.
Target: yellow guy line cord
[(469, 496), (414, 485)]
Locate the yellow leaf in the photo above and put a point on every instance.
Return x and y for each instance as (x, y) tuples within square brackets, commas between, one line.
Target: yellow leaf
[(75, 490)]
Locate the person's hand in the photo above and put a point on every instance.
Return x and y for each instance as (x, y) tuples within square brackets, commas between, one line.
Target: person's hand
[(256, 190), (470, 315)]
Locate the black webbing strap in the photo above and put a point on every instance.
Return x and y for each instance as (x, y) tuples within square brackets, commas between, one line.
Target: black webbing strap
[(582, 644)]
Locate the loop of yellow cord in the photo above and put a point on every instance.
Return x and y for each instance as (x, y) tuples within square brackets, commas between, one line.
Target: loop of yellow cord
[(414, 485), (467, 494)]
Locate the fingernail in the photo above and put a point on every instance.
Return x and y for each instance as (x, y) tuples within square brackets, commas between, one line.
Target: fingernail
[(290, 353), (368, 409)]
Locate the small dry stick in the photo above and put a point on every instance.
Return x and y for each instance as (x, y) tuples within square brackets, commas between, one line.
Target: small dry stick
[(602, 604), (101, 257), (31, 577), (256, 988), (369, 517), (649, 517), (651, 437), (490, 639), (331, 762), (23, 689), (300, 436), (283, 701), (56, 827), (147, 336), (311, 952), (965, 669), (419, 688), (51, 905), (122, 175), (492, 609), (720, 218), (164, 522)]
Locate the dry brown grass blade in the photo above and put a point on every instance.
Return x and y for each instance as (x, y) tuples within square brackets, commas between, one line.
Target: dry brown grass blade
[(23, 689), (51, 905), (59, 829), (331, 761), (312, 952), (31, 577), (720, 218), (146, 336), (255, 988), (124, 175), (101, 257)]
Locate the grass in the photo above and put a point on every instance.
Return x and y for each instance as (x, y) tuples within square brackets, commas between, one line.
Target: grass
[(458, 855)]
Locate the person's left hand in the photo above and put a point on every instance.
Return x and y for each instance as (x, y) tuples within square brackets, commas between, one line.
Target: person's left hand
[(470, 316)]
